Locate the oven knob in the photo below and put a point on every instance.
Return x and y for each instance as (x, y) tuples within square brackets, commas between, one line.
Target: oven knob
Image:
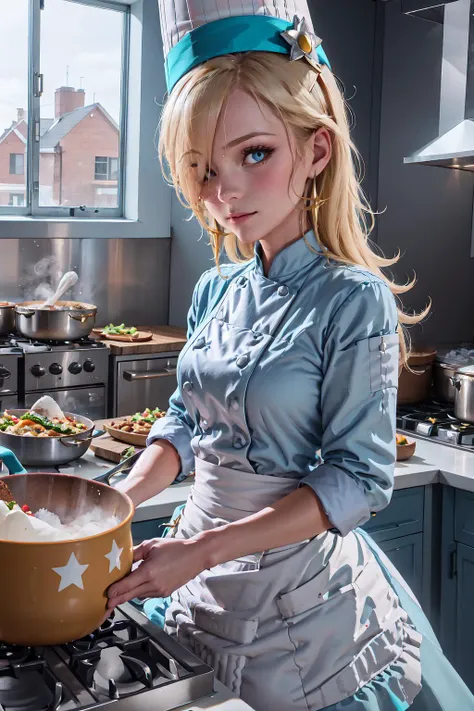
[(89, 366), (38, 371), (55, 369), (75, 368)]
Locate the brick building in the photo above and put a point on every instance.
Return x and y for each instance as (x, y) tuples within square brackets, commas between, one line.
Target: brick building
[(79, 151)]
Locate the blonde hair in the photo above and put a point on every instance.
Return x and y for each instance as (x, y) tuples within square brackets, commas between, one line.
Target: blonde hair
[(341, 216)]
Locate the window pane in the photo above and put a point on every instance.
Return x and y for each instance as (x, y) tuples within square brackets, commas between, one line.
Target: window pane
[(81, 59), (13, 101)]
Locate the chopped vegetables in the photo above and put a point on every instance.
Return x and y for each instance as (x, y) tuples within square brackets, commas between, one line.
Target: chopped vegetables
[(401, 439), (121, 330), (33, 425), (129, 452), (140, 422)]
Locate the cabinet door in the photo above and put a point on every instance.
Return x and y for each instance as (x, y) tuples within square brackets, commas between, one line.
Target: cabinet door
[(464, 661), (406, 554)]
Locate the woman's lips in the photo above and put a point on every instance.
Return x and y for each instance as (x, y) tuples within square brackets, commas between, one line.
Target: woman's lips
[(240, 217)]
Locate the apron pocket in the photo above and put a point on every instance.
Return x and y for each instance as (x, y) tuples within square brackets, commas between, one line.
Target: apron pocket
[(228, 668)]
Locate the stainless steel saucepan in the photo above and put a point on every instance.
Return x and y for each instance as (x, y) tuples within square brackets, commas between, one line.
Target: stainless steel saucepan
[(463, 382), (66, 321), (50, 451), (7, 317)]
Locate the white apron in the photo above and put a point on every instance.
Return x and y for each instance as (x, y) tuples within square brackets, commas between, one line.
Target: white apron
[(299, 627)]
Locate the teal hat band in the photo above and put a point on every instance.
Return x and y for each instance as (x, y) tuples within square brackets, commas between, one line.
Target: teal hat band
[(229, 35)]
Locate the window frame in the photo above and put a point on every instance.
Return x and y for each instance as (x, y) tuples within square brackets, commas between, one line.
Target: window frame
[(17, 155), (32, 208)]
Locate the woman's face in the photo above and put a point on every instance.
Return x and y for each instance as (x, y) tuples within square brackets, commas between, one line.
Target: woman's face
[(248, 187)]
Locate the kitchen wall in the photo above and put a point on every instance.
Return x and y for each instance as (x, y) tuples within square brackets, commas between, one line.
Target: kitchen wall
[(428, 209), (127, 279), (352, 41)]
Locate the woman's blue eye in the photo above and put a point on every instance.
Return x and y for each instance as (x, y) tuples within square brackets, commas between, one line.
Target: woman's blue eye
[(258, 156)]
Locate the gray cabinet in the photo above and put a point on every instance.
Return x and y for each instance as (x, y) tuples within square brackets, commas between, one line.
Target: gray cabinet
[(457, 581), (404, 531), (406, 553)]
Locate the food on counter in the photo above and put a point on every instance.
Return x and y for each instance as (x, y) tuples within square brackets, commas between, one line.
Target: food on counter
[(140, 422), (129, 452), (121, 330), (31, 424), (20, 524), (401, 439)]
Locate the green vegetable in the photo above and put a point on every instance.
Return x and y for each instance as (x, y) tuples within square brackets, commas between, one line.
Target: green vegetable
[(129, 452), (10, 504), (121, 330), (44, 422)]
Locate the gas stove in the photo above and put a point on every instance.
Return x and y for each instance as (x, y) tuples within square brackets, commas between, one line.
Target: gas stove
[(435, 421), (128, 662), (75, 373)]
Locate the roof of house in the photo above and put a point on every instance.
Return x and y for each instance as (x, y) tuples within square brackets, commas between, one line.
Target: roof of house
[(52, 131)]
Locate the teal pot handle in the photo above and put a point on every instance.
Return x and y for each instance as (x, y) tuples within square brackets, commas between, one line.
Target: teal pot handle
[(11, 462)]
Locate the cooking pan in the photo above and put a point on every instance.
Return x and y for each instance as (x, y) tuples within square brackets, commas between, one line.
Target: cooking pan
[(50, 451), (66, 321), (55, 592)]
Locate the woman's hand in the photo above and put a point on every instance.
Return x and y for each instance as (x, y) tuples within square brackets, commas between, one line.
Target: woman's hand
[(167, 564)]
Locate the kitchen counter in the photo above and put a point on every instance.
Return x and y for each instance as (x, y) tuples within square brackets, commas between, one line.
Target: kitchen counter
[(432, 463), (165, 339)]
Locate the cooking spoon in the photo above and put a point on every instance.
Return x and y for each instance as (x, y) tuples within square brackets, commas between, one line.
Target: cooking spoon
[(67, 280)]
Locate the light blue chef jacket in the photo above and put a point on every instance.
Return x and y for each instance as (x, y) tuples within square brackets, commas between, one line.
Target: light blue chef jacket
[(318, 373)]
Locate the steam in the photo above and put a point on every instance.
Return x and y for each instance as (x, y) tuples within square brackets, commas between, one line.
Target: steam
[(41, 280)]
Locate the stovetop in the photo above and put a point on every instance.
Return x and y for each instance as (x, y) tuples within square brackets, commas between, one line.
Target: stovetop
[(126, 657), (18, 344), (435, 421)]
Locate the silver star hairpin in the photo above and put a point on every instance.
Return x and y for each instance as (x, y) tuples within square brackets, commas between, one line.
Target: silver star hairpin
[(303, 42)]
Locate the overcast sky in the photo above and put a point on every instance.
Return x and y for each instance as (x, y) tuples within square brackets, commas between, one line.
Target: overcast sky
[(85, 38)]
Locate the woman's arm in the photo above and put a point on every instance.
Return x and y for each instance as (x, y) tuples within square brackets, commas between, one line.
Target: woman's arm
[(296, 517), (156, 469)]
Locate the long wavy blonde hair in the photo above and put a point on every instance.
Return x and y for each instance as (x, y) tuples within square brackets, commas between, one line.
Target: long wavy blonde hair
[(341, 216)]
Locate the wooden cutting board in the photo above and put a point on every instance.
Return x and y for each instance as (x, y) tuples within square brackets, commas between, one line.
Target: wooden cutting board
[(106, 446), (165, 338)]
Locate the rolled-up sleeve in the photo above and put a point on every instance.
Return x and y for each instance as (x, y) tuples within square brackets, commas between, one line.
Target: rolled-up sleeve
[(358, 408), (177, 427)]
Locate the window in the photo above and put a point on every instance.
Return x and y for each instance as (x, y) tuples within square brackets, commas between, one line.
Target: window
[(16, 199), (17, 163), (106, 168), (77, 112)]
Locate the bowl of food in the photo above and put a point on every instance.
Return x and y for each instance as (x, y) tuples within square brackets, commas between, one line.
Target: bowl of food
[(45, 436), (405, 447), (135, 429), (63, 541)]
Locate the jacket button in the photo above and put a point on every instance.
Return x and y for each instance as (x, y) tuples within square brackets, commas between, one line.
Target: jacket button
[(187, 386), (257, 337), (242, 361), (283, 290), (200, 343), (242, 281)]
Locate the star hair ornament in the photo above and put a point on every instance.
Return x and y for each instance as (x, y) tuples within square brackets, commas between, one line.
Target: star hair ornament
[(303, 43)]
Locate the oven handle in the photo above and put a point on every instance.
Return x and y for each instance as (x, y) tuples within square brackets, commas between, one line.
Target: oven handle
[(132, 375)]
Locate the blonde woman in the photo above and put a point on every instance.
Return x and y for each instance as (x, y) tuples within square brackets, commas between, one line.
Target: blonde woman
[(292, 349)]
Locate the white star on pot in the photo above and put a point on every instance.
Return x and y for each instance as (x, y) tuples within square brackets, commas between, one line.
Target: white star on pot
[(114, 556), (303, 42), (71, 573)]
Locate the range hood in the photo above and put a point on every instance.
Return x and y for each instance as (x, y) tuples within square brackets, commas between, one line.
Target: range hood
[(454, 148)]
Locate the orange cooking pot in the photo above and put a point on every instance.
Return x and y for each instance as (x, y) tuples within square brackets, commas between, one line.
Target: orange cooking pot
[(54, 592)]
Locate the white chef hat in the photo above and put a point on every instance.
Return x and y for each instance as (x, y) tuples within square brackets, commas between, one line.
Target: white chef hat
[(195, 31)]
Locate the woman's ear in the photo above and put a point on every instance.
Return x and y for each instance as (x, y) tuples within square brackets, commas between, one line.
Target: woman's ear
[(321, 144)]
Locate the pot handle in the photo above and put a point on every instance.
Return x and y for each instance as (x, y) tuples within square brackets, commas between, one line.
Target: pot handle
[(11, 462), (82, 317), (455, 381), (75, 442)]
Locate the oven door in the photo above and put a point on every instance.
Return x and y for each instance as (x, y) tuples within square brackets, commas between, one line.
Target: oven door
[(8, 373), (8, 402), (88, 402), (144, 383)]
